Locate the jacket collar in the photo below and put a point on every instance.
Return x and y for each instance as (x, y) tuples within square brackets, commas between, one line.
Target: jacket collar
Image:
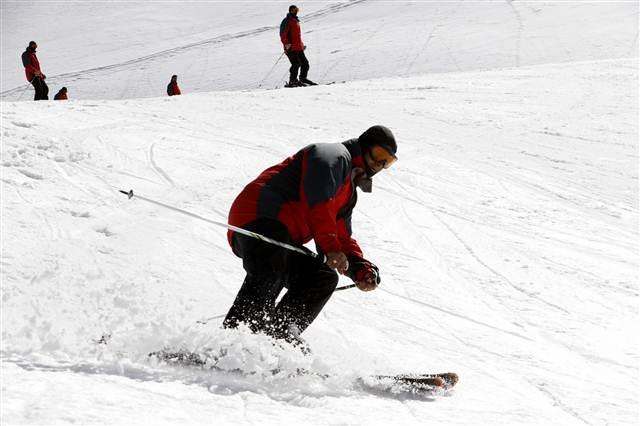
[(359, 177)]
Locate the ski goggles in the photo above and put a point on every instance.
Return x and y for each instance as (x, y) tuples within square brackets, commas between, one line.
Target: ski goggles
[(382, 157)]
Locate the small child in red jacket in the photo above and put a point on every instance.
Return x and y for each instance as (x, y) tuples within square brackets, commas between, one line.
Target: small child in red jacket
[(172, 88), (61, 95)]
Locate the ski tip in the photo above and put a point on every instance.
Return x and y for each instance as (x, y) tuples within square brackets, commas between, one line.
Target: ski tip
[(449, 379)]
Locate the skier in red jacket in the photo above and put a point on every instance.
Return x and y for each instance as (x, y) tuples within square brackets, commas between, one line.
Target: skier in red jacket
[(291, 38), (61, 95), (172, 88), (310, 195), (33, 73)]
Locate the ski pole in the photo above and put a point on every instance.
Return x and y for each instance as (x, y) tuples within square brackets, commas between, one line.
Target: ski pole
[(243, 231), (206, 320), (23, 91), (271, 70), (255, 235)]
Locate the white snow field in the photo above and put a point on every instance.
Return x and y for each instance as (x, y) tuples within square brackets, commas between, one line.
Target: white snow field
[(506, 235)]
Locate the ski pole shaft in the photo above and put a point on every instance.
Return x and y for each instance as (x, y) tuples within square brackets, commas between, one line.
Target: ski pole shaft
[(23, 91), (271, 70), (206, 320), (344, 287), (243, 231)]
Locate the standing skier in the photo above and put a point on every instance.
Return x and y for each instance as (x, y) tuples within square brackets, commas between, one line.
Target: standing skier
[(172, 88), (33, 73), (310, 195), (291, 37)]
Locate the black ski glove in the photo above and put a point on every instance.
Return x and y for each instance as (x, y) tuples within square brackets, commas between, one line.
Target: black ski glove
[(360, 267)]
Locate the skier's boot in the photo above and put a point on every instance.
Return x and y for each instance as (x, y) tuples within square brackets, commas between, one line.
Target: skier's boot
[(307, 82), (294, 83)]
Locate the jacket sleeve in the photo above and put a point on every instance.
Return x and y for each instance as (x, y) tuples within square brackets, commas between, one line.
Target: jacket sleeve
[(349, 245), (325, 169)]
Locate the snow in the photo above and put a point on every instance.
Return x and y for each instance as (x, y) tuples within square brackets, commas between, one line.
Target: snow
[(506, 234), (215, 45)]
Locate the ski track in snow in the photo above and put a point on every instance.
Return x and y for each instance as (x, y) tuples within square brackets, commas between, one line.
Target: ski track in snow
[(156, 168)]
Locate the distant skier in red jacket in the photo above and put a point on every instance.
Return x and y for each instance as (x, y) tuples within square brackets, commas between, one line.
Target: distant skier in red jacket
[(172, 88), (33, 73), (291, 37), (310, 195), (61, 95)]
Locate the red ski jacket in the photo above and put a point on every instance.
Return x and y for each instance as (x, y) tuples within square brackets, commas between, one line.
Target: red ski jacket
[(312, 192), (31, 64), (173, 89), (290, 33)]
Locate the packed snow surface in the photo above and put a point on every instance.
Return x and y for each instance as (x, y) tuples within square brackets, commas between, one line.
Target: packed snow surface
[(506, 234)]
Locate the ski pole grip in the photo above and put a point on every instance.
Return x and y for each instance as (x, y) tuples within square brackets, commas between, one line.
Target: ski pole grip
[(128, 194)]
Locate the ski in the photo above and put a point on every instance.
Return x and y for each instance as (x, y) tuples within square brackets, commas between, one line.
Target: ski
[(311, 83), (443, 381), (419, 384)]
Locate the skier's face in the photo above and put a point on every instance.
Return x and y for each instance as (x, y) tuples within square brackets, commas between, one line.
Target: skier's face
[(378, 158), (33, 46), (294, 11)]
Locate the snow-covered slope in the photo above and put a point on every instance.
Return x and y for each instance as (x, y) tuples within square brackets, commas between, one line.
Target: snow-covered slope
[(507, 233), (130, 49)]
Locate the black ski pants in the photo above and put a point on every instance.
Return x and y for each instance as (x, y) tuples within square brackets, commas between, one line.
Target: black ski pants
[(270, 268), (298, 62), (42, 90)]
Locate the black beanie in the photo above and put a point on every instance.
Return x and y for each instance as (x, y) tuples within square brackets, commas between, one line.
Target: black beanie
[(378, 136)]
